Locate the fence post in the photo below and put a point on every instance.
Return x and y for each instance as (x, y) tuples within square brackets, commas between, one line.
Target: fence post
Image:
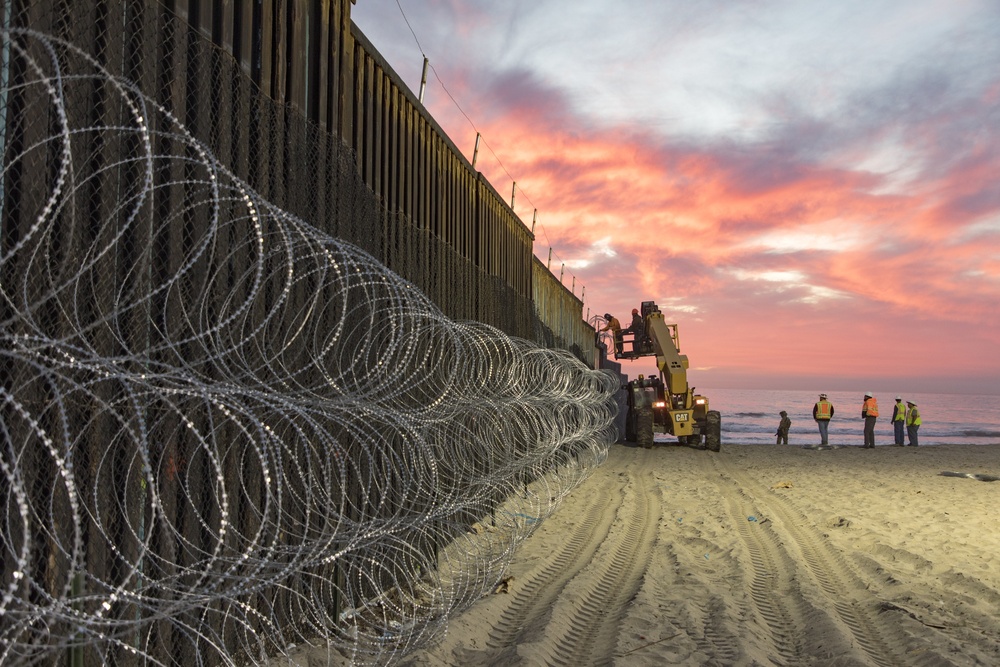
[(423, 82)]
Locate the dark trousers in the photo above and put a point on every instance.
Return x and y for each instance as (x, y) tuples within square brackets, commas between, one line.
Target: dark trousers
[(897, 431), (911, 431), (782, 438), (870, 431)]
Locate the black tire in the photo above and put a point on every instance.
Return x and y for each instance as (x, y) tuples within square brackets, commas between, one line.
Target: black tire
[(713, 430), (630, 426), (644, 428)]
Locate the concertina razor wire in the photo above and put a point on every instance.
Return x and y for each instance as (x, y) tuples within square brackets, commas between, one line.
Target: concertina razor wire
[(258, 440)]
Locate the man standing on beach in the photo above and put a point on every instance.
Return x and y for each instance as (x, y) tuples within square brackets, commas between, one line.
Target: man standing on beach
[(869, 412), (823, 413), (783, 427), (898, 419), (912, 422)]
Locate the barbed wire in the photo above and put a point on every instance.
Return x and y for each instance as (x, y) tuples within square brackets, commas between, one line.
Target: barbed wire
[(226, 435)]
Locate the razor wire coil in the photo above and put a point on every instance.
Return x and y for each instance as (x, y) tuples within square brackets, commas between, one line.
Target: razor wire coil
[(225, 432)]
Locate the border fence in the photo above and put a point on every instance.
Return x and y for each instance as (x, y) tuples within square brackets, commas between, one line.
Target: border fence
[(183, 445), (287, 94)]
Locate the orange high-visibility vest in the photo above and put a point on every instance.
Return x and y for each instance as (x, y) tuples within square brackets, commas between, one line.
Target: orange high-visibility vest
[(823, 410), (871, 407)]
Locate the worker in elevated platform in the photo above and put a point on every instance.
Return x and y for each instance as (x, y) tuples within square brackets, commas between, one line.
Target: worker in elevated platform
[(636, 329), (615, 327)]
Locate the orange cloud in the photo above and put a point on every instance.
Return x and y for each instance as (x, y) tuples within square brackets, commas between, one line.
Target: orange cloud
[(776, 260)]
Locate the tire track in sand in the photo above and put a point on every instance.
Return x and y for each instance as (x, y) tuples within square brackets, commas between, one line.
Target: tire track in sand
[(591, 627), (844, 588), (538, 590), (773, 586), (703, 613)]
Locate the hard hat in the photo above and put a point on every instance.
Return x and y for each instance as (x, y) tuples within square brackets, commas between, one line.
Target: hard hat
[(635, 311), (910, 403), (868, 394), (899, 398), (822, 395)]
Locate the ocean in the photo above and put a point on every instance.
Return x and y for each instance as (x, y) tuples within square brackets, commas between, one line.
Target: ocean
[(750, 417)]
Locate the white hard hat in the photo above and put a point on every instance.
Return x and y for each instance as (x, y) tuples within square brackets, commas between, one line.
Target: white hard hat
[(868, 394), (899, 398)]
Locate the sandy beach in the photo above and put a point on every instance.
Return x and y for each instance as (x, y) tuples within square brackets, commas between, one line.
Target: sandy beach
[(757, 555)]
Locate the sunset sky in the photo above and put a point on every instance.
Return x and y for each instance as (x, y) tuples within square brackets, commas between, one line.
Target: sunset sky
[(811, 190)]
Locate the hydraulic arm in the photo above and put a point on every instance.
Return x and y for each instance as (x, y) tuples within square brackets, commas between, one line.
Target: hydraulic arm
[(672, 364)]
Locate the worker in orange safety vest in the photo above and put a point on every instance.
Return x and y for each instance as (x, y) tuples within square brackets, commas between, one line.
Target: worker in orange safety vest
[(869, 412), (823, 413)]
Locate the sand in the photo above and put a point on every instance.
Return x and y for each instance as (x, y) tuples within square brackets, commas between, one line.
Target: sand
[(757, 555)]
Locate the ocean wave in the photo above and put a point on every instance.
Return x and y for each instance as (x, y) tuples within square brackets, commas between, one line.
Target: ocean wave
[(976, 433)]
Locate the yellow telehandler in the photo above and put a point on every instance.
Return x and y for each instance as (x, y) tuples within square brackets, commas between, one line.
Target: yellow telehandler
[(665, 404)]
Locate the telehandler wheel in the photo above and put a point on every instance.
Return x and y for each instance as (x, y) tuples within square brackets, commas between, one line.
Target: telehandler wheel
[(713, 430), (644, 428), (629, 429)]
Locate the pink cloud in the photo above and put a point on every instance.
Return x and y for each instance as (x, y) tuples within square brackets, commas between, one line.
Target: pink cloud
[(897, 272), (679, 217)]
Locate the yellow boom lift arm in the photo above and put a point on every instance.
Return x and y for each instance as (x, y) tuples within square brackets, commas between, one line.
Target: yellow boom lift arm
[(673, 369)]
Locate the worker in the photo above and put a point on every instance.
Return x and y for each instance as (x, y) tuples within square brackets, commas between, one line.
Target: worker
[(869, 412), (636, 329), (898, 420), (783, 427), (616, 331), (823, 413), (636, 320), (912, 422)]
